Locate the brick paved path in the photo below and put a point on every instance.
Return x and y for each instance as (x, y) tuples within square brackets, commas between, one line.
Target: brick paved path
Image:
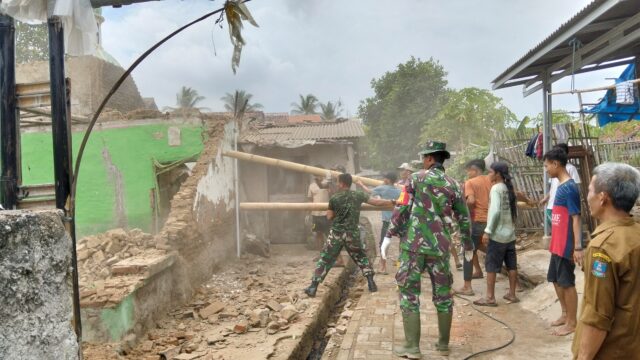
[(376, 324)]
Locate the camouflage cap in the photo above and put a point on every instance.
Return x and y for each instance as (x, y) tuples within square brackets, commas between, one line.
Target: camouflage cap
[(432, 147)]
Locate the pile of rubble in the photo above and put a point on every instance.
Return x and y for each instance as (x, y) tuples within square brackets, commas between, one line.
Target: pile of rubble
[(252, 304), (97, 253)]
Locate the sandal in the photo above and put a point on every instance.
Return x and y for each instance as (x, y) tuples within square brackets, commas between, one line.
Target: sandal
[(464, 292), (485, 302), (477, 276), (511, 300)]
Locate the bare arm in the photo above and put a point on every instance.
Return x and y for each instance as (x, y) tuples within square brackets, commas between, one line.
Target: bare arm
[(381, 202), (330, 214), (590, 341), (544, 200), (471, 200), (576, 222), (364, 187)]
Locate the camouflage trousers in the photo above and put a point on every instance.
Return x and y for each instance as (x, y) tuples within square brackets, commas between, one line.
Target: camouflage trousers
[(408, 278), (331, 250)]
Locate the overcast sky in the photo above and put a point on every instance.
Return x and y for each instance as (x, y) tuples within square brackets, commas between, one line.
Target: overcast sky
[(333, 48)]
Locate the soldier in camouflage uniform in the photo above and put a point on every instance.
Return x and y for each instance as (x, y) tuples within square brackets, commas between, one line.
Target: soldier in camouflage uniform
[(344, 210), (435, 197)]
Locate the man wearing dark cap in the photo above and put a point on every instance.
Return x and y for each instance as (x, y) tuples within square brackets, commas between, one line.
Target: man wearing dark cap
[(389, 192), (435, 197)]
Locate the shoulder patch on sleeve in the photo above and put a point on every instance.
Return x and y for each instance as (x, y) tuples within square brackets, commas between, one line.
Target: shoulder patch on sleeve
[(599, 268), (602, 256)]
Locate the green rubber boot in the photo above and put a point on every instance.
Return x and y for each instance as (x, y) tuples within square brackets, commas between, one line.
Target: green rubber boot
[(444, 329), (411, 348)]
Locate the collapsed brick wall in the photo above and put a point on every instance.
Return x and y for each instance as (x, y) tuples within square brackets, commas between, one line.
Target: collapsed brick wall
[(200, 225)]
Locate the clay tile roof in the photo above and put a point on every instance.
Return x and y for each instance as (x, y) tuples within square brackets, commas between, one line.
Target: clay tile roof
[(348, 129)]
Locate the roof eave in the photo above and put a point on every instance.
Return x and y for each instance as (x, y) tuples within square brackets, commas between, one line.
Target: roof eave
[(508, 76)]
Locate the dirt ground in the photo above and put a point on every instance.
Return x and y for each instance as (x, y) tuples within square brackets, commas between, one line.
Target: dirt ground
[(248, 310)]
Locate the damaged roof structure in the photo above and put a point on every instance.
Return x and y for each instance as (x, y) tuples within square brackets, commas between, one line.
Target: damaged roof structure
[(293, 134)]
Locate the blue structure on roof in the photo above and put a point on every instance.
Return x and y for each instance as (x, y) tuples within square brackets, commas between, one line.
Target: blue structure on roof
[(608, 111)]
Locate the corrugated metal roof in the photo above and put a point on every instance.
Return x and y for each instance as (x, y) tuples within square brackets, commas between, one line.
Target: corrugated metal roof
[(304, 132), (605, 15)]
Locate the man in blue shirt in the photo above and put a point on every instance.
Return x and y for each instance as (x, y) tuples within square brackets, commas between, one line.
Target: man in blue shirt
[(386, 191)]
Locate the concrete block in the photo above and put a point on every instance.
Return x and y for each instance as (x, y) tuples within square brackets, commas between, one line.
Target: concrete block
[(35, 278), (173, 134)]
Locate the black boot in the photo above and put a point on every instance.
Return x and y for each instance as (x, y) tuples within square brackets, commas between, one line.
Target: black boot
[(372, 284), (311, 290)]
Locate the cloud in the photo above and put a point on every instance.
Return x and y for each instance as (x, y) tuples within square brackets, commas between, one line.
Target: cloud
[(334, 48)]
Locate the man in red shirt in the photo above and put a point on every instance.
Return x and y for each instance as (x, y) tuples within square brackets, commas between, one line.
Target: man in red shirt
[(566, 241), (476, 192)]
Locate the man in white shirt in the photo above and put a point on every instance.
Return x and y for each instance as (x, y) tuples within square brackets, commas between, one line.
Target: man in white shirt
[(554, 182), (319, 193)]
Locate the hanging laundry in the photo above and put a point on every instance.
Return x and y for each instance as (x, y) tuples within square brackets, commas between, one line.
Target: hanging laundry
[(624, 93), (539, 147), (530, 151), (562, 134)]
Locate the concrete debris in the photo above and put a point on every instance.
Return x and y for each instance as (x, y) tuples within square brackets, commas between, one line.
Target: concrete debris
[(253, 245), (214, 308), (247, 303)]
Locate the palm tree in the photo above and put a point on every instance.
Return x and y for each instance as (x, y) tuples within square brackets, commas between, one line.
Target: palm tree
[(330, 111), (186, 99), (239, 102), (307, 105)]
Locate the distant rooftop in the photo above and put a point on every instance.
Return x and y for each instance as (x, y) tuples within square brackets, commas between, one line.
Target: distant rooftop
[(300, 134)]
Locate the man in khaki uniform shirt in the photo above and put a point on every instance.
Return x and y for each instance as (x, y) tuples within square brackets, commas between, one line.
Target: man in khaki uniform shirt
[(609, 321)]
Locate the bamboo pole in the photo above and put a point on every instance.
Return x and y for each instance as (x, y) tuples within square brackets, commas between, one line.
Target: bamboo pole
[(302, 206), (579, 91), (289, 165)]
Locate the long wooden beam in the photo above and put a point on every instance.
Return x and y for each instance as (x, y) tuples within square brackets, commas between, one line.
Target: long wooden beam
[(289, 165), (302, 206), (115, 3)]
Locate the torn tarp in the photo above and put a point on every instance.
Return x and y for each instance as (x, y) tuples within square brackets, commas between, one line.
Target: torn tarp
[(608, 110), (78, 19)]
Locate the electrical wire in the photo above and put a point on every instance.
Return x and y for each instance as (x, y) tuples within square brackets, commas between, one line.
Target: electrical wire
[(115, 88), (513, 333)]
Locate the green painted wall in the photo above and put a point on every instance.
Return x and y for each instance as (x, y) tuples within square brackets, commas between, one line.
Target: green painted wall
[(132, 151)]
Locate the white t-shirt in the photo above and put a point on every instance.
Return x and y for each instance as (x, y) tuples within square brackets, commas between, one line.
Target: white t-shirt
[(573, 172), (319, 196)]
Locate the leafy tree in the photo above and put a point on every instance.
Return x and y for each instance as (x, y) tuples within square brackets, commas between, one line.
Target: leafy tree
[(240, 102), (307, 105), (330, 110), (32, 42), (468, 118), (404, 101)]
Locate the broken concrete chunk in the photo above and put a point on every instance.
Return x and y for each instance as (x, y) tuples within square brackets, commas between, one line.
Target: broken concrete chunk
[(341, 329), (347, 314), (289, 312), (146, 345), (191, 356), (98, 257), (82, 254), (274, 305), (93, 242), (273, 328), (213, 308)]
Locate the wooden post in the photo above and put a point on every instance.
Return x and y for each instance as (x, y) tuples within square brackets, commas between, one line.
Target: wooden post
[(9, 129), (61, 132)]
